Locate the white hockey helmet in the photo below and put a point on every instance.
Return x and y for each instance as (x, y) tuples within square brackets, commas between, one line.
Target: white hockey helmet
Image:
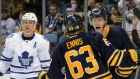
[(30, 16)]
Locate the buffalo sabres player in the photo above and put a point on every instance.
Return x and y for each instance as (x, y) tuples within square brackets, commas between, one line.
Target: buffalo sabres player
[(116, 35), (87, 55), (26, 53)]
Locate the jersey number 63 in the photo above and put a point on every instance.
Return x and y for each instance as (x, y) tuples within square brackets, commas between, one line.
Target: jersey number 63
[(78, 65)]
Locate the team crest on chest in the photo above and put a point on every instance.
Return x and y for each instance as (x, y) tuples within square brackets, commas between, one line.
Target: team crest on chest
[(25, 60)]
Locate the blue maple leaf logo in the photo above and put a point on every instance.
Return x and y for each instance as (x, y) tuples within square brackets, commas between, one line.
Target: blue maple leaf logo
[(25, 60)]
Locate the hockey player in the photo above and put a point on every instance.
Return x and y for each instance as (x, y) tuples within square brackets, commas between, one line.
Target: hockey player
[(116, 35), (26, 53), (87, 55)]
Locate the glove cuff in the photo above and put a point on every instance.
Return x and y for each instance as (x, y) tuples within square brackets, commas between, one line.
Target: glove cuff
[(133, 55)]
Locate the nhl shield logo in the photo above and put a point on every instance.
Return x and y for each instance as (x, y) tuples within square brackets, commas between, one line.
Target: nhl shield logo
[(25, 60)]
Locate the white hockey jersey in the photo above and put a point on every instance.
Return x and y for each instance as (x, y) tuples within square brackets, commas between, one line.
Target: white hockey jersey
[(26, 58)]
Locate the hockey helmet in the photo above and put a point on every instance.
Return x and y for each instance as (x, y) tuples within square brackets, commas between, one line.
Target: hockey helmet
[(30, 16), (72, 22), (98, 12)]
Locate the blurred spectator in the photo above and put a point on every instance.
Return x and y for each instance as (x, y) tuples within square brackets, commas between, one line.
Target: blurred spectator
[(29, 5), (11, 7), (7, 23), (130, 4), (48, 6), (18, 22), (101, 4), (20, 7), (53, 20), (114, 11), (114, 1), (2, 43), (76, 6), (69, 9), (91, 5), (115, 16), (135, 35)]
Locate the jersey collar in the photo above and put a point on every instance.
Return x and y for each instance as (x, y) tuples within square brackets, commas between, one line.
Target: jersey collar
[(106, 31), (28, 38)]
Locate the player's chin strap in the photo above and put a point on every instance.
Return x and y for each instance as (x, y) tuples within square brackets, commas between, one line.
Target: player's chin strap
[(30, 31)]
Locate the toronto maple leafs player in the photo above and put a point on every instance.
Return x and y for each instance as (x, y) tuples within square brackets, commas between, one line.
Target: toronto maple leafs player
[(26, 53)]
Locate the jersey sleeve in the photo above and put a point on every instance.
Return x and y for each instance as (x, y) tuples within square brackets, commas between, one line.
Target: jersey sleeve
[(7, 55), (44, 54), (57, 64)]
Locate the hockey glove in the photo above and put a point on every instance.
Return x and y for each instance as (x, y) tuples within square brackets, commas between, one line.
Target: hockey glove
[(133, 55), (43, 75)]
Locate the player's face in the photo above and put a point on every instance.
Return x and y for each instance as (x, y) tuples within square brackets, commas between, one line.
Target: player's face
[(98, 24), (28, 26)]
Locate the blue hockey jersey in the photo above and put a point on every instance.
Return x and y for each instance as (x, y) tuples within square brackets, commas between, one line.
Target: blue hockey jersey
[(85, 56), (26, 58), (119, 39)]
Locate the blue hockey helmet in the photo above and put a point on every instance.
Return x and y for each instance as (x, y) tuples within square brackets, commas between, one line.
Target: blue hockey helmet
[(72, 22), (98, 12)]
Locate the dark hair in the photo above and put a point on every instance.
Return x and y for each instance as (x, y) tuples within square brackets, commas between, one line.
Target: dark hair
[(102, 5), (23, 12), (22, 4), (114, 7), (4, 10), (54, 5)]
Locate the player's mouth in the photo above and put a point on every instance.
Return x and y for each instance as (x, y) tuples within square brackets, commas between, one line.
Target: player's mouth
[(26, 28), (98, 27)]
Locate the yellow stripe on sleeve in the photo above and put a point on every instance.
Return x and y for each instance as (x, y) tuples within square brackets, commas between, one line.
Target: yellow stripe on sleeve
[(112, 56), (121, 57), (115, 59)]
